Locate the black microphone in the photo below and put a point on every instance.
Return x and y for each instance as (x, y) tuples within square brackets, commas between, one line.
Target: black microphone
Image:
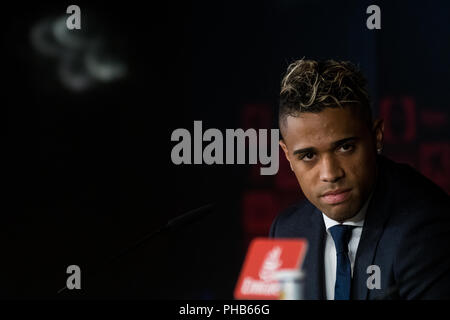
[(189, 217), (182, 220), (177, 222)]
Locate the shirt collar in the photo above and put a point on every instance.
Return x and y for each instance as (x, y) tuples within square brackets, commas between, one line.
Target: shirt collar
[(357, 220)]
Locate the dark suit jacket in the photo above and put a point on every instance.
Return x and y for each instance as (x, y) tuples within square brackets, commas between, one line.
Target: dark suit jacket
[(406, 233)]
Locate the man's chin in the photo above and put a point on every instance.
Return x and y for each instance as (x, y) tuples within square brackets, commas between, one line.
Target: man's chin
[(339, 212)]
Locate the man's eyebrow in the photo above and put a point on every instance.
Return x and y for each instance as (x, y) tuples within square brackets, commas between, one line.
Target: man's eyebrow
[(304, 150), (333, 145)]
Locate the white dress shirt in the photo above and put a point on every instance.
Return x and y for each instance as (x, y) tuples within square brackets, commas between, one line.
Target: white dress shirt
[(330, 249)]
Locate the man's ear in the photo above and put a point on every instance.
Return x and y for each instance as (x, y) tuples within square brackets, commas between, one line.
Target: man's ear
[(286, 152), (378, 130)]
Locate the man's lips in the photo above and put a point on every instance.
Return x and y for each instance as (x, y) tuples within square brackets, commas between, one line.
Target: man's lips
[(336, 196)]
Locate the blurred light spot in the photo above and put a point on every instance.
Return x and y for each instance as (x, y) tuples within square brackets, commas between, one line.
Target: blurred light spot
[(83, 59)]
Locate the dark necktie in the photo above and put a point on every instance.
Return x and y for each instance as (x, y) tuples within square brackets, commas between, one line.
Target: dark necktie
[(341, 235)]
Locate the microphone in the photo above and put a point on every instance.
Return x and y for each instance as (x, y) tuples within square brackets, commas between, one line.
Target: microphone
[(189, 217), (272, 270), (180, 221)]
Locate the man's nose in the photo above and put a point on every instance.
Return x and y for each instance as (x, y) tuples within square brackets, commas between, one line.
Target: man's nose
[(330, 169)]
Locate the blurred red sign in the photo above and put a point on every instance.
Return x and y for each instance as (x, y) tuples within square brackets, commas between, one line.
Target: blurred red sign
[(264, 258)]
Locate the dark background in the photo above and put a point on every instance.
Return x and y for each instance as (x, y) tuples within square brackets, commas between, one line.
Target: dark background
[(88, 173)]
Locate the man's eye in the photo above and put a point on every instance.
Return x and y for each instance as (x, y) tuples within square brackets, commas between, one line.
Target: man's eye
[(307, 156), (346, 147)]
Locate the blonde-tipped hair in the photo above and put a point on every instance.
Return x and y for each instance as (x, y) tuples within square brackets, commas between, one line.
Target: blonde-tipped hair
[(311, 86)]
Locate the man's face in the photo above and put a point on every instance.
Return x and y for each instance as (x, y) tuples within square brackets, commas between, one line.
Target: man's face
[(333, 156)]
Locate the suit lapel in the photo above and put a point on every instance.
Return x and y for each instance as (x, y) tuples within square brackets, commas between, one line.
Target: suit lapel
[(376, 218), (314, 264)]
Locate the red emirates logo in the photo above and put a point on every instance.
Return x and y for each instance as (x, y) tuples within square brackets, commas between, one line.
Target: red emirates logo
[(265, 257)]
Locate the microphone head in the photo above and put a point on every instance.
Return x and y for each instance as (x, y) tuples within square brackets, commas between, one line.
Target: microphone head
[(267, 266), (191, 216)]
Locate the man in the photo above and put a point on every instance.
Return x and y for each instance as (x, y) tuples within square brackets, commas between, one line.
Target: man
[(376, 229)]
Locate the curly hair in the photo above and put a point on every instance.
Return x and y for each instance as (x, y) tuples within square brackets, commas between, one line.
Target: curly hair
[(311, 86)]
